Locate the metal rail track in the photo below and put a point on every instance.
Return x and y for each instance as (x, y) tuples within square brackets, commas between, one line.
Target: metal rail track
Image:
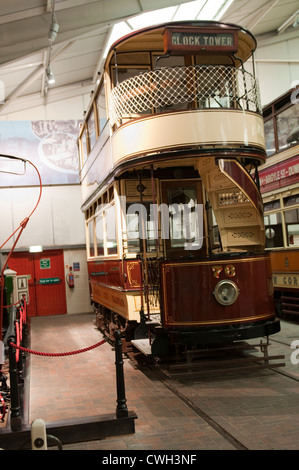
[(168, 372)]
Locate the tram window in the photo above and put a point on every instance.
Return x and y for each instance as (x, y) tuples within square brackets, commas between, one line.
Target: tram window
[(91, 130), (111, 230), (101, 107), (171, 61), (100, 234), (273, 230), (173, 83), (123, 73), (184, 223), (91, 237), (292, 226), (270, 206), (287, 121), (83, 146), (214, 234), (291, 200), (136, 232), (269, 137)]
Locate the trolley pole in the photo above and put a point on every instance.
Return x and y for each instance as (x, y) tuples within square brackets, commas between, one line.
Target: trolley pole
[(15, 409), (121, 409)]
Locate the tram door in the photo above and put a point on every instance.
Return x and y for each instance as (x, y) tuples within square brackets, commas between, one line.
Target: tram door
[(185, 226), (46, 281)]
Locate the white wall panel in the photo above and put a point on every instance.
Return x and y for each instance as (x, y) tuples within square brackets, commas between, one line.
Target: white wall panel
[(6, 210), (77, 298), (68, 219), (39, 230), (57, 221), (274, 80), (277, 67)]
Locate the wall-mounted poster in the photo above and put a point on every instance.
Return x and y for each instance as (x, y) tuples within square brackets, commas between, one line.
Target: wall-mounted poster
[(50, 145)]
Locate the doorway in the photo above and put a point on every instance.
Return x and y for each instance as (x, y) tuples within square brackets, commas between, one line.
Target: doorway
[(183, 198), (46, 281)]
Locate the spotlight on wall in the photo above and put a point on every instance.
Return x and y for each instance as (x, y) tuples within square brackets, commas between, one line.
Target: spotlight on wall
[(50, 75)]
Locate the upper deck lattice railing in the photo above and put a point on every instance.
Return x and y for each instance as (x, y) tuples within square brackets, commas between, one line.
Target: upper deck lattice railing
[(207, 86)]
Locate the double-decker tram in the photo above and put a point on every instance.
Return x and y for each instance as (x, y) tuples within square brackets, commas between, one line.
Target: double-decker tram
[(279, 184), (169, 151)]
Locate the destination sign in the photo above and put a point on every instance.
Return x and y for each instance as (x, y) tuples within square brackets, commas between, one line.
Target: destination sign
[(188, 41), (290, 280)]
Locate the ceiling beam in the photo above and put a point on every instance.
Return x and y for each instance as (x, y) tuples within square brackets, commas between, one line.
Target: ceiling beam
[(35, 74), (35, 100), (100, 61), (288, 22), (261, 14), (21, 15), (38, 11)]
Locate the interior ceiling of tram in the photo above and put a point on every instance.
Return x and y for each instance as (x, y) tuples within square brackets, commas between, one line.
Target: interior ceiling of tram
[(81, 31)]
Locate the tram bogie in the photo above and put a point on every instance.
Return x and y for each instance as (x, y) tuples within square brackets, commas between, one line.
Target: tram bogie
[(174, 218)]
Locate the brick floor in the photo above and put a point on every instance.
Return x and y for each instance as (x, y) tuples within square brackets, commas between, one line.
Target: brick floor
[(260, 409)]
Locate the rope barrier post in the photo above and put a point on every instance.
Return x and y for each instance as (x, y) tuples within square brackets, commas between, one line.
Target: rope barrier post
[(15, 409), (121, 409)]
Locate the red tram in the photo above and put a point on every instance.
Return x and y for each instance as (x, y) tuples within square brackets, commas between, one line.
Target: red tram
[(169, 151)]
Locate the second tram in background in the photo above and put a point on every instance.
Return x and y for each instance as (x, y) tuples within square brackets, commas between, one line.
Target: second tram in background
[(279, 180), (169, 151)]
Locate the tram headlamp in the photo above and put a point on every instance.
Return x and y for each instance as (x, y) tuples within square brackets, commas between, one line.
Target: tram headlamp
[(226, 292)]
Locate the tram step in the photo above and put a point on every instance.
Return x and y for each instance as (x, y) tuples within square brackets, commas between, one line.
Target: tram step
[(143, 345)]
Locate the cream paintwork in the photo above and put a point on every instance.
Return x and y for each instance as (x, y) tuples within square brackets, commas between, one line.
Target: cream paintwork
[(169, 131), (187, 129)]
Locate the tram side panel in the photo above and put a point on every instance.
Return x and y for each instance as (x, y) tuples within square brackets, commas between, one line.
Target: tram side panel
[(285, 267)]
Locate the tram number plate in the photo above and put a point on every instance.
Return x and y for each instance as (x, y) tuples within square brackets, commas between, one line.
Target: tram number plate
[(229, 270)]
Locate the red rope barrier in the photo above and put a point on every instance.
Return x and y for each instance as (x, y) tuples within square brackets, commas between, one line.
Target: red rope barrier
[(39, 353), (2, 408)]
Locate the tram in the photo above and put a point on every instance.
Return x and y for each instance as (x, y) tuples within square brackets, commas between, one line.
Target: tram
[(279, 180), (169, 154)]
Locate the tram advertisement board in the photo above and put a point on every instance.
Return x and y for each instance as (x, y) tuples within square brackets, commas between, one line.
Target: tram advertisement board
[(280, 174)]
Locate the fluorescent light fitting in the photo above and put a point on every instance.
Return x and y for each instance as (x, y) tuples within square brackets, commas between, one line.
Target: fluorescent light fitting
[(151, 18), (188, 11), (35, 249), (223, 9), (210, 10), (50, 75)]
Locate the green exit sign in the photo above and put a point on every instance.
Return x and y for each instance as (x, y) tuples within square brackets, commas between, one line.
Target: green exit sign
[(45, 263), (49, 280)]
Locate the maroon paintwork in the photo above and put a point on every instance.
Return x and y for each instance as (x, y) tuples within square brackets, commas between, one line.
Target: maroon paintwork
[(187, 287), (188, 299), (115, 273)]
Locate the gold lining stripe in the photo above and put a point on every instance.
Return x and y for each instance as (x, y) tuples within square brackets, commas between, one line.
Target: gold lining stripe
[(217, 261), (228, 321)]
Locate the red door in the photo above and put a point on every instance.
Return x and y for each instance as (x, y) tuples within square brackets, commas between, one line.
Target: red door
[(46, 281)]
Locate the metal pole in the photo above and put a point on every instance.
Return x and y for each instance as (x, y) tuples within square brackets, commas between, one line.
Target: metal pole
[(121, 409), (15, 409)]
